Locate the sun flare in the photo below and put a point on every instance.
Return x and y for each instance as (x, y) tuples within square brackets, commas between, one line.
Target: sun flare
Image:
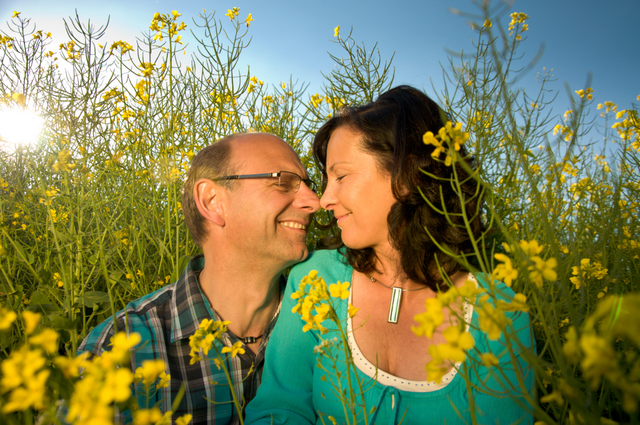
[(19, 126)]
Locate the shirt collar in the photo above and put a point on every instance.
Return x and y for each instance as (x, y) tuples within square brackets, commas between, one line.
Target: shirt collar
[(189, 306)]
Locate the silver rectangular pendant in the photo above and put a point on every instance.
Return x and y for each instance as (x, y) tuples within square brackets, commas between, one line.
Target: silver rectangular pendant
[(394, 306)]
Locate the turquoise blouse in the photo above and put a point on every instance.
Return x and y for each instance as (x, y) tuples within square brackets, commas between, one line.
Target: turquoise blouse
[(295, 390)]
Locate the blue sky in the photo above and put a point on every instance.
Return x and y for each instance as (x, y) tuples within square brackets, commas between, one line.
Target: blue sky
[(581, 38)]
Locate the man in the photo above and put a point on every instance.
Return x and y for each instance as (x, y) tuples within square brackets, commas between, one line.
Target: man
[(248, 203)]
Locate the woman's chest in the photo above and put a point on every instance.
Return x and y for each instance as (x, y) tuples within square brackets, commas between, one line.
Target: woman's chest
[(394, 347)]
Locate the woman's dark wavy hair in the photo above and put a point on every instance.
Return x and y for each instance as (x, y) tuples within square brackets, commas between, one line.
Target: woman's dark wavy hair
[(392, 128)]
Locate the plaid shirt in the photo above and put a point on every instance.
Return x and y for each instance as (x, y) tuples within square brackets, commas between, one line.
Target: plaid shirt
[(165, 319)]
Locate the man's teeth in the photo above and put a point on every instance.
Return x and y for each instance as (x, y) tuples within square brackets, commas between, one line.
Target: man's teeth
[(293, 225)]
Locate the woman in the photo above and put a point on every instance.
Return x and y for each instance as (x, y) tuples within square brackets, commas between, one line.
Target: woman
[(376, 170)]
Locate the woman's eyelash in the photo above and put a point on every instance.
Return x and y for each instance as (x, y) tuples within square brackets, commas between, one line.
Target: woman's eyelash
[(341, 177)]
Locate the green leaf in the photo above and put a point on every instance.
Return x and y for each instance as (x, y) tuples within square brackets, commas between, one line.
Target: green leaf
[(92, 298), (40, 303), (7, 340), (61, 322), (5, 289)]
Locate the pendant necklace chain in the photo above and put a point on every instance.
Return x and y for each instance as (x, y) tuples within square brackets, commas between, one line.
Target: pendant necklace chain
[(396, 298), (247, 339)]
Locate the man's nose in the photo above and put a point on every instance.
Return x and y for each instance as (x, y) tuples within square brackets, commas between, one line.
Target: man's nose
[(307, 199)]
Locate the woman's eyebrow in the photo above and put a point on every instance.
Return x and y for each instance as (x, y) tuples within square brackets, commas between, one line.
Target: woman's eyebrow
[(333, 166)]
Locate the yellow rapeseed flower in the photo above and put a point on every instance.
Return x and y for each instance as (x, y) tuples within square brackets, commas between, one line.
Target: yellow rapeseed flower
[(122, 45), (20, 99), (339, 290), (489, 360), (430, 139), (146, 68), (543, 270), (436, 368), (47, 339), (164, 380), (6, 40), (571, 348), (316, 100), (7, 317), (31, 320), (530, 248), (71, 366), (610, 106), (519, 303), (25, 381), (202, 340), (579, 272), (234, 350), (33, 394), (504, 272), (312, 296), (492, 321), (517, 19), (430, 319), (149, 372), (184, 420), (147, 416), (15, 14), (121, 343), (469, 290), (248, 20), (555, 396), (587, 92), (336, 31), (602, 293), (232, 13), (458, 342), (598, 355), (63, 162), (117, 386), (448, 137)]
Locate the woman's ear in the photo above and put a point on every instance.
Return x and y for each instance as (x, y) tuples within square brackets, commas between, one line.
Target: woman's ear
[(209, 199)]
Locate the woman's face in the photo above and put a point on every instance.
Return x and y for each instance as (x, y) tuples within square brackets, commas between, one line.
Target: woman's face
[(357, 192)]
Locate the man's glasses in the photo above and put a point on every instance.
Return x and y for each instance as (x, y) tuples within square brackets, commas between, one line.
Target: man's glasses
[(286, 179)]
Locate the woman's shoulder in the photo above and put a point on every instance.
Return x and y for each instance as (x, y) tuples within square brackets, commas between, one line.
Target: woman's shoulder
[(324, 261), (502, 292), (500, 289)]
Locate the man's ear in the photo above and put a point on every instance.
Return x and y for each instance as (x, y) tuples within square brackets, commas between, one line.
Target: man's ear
[(209, 199)]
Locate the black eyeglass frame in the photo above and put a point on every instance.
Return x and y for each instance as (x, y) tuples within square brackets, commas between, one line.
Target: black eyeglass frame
[(310, 183)]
